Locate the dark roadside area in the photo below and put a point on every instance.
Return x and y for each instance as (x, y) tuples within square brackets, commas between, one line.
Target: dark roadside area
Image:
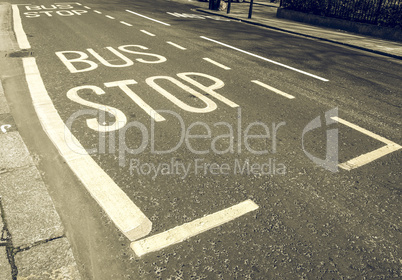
[(264, 14)]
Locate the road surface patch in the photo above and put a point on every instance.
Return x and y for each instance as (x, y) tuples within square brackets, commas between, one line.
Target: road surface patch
[(188, 230), (370, 156), (284, 94)]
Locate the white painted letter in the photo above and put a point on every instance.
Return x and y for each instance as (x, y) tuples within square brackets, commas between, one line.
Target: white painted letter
[(160, 58), (34, 8), (82, 59), (64, 13), (211, 106), (123, 85), (79, 12), (93, 123), (31, 14), (106, 63), (210, 90)]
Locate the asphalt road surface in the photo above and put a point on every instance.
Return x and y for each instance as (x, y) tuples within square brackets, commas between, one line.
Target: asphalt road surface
[(255, 154)]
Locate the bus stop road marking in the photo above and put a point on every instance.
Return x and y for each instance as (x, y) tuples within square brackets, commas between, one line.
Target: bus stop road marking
[(370, 156), (116, 204), (187, 230)]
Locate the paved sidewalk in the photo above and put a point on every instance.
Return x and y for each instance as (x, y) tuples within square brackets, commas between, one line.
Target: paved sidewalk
[(32, 240), (264, 14), (33, 244)]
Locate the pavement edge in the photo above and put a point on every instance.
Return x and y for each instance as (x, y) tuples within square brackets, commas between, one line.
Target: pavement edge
[(33, 243), (321, 38)]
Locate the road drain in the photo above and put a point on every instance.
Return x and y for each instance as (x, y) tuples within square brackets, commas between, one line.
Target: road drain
[(21, 53)]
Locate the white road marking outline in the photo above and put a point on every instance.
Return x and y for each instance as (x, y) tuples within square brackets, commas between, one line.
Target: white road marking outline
[(125, 23), (287, 95), (109, 17), (188, 230), (22, 39), (116, 204), (176, 45), (370, 156), (148, 18), (148, 33), (266, 59), (216, 63)]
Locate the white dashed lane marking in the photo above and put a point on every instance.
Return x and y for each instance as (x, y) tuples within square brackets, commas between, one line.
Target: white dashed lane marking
[(148, 33), (284, 94), (216, 63), (125, 23), (137, 14), (176, 45), (266, 59)]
